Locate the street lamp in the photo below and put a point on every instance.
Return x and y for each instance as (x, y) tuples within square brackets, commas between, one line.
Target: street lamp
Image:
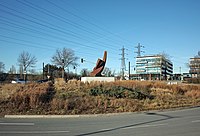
[(63, 62), (147, 69)]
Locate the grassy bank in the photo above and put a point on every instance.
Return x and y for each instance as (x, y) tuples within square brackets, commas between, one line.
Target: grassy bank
[(76, 97)]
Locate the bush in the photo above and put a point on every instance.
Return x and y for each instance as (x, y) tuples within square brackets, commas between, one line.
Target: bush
[(119, 92), (193, 80)]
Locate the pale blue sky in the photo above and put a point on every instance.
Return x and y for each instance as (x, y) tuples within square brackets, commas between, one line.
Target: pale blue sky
[(91, 26)]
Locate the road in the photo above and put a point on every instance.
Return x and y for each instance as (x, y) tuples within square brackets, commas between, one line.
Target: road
[(185, 122)]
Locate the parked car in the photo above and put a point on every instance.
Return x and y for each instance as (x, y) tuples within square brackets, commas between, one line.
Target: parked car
[(18, 81), (42, 81)]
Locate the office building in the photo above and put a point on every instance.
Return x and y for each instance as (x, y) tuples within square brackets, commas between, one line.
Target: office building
[(194, 65), (154, 67)]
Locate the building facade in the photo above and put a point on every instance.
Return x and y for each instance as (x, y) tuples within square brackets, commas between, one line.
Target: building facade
[(194, 65), (155, 67)]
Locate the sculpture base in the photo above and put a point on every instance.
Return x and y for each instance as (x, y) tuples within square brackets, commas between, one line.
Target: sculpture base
[(100, 79)]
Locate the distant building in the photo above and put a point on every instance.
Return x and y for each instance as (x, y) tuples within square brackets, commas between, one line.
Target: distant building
[(154, 67), (194, 65)]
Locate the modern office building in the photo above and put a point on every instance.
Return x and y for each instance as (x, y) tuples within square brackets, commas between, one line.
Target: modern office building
[(194, 65), (154, 67)]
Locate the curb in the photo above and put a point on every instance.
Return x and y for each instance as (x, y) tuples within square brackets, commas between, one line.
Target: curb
[(65, 116), (97, 115)]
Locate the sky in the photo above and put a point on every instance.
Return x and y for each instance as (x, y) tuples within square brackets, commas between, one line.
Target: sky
[(90, 27)]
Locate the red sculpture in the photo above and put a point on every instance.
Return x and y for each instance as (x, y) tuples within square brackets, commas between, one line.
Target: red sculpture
[(99, 66)]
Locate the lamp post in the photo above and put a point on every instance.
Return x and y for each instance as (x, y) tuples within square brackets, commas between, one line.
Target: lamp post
[(43, 70), (63, 62), (147, 70), (25, 76)]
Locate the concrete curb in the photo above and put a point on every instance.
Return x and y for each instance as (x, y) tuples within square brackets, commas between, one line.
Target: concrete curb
[(65, 116), (96, 115)]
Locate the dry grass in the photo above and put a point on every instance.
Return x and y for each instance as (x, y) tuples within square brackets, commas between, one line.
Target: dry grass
[(7, 90), (75, 97)]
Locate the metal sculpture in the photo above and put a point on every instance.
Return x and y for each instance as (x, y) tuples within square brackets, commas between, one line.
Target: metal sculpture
[(99, 66)]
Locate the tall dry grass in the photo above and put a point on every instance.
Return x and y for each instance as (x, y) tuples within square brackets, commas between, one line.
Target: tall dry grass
[(22, 98), (75, 97)]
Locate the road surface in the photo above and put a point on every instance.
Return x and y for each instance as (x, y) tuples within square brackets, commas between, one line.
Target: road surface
[(184, 122)]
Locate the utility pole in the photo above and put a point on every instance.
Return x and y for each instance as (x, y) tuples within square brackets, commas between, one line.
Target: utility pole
[(48, 69), (123, 65), (139, 51), (129, 70), (43, 70), (180, 73), (63, 71)]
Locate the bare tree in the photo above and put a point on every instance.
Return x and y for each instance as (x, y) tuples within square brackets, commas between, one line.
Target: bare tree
[(85, 72), (2, 67), (165, 56), (26, 60), (64, 58), (198, 55), (12, 70)]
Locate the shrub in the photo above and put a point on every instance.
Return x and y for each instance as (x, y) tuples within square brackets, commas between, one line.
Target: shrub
[(119, 92), (193, 80)]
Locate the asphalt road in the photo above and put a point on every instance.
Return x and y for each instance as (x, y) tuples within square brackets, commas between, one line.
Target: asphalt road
[(184, 122)]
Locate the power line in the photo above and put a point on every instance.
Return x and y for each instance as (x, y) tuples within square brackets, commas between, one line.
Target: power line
[(47, 12), (38, 30), (31, 35), (65, 20), (47, 27), (42, 46), (32, 44), (22, 44), (46, 34), (83, 19)]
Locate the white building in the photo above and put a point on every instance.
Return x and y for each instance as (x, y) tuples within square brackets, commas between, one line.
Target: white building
[(194, 65), (153, 67)]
